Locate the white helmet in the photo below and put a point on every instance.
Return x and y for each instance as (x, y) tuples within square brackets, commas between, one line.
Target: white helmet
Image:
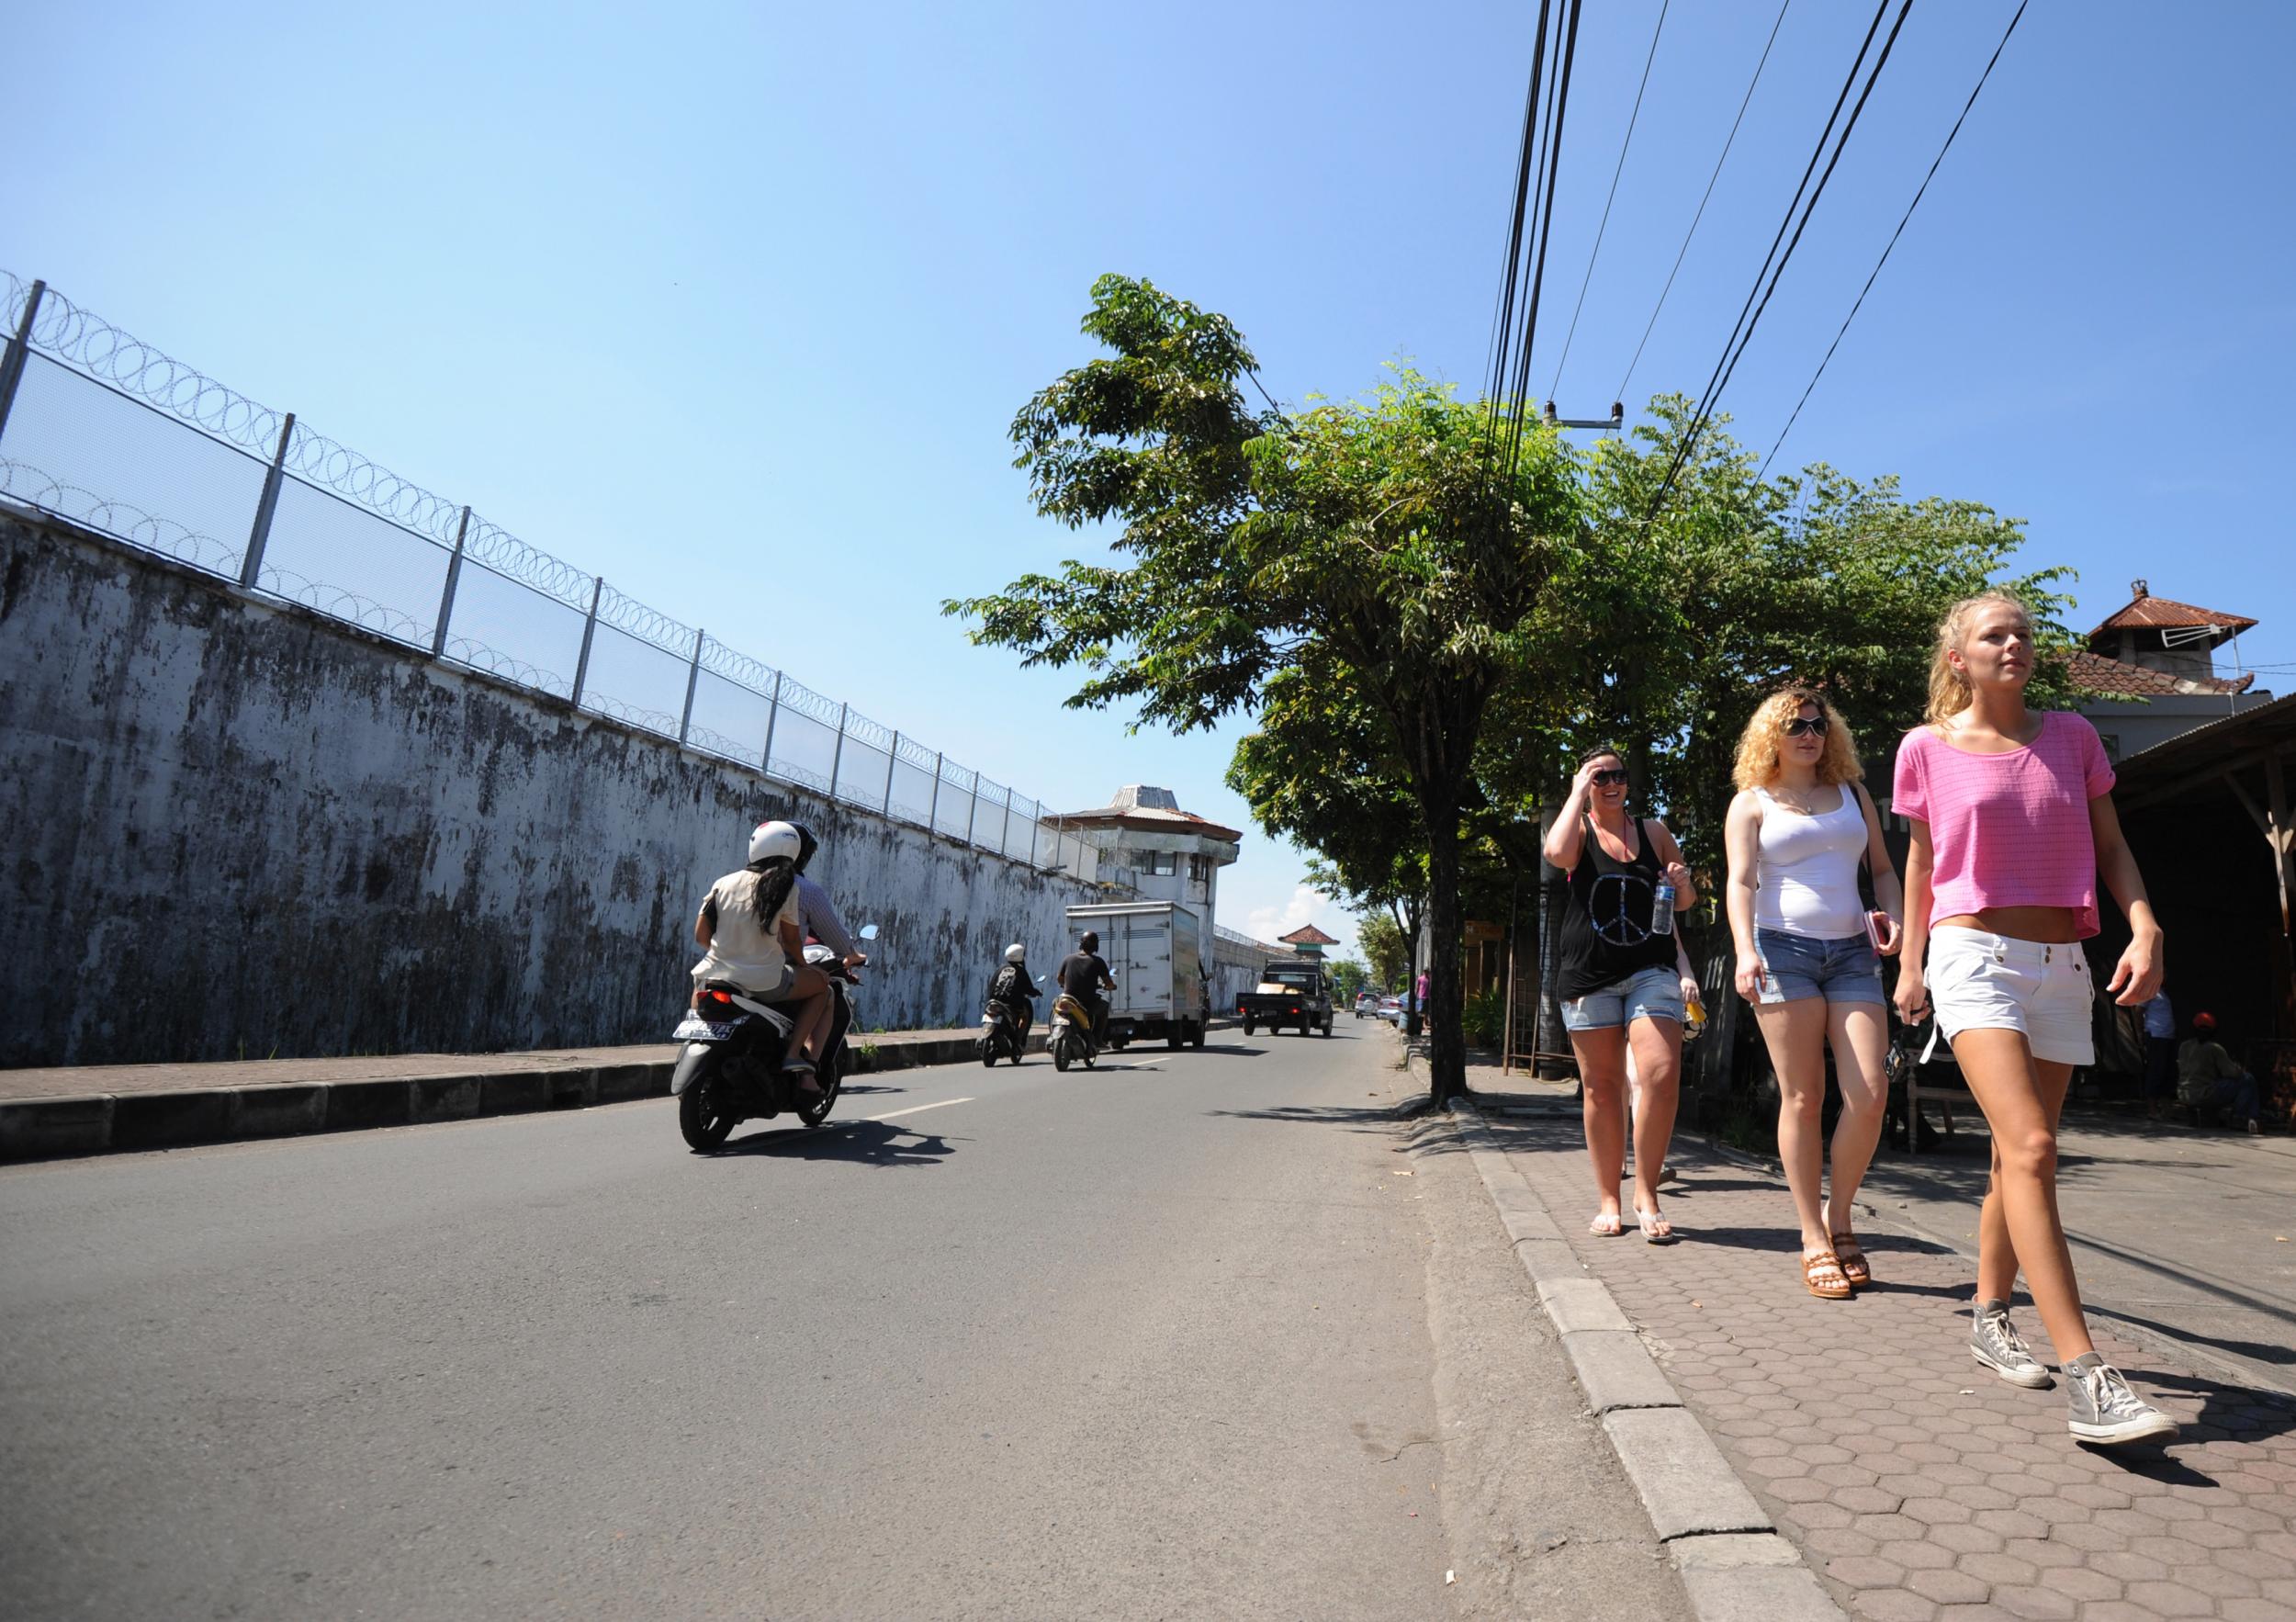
[(771, 840), (1016, 953)]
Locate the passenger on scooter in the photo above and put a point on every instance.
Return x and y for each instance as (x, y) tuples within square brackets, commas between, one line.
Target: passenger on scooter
[(1016, 988), (816, 914), (1083, 973), (749, 932)]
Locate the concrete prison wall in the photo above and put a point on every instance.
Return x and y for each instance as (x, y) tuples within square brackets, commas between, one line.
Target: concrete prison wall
[(237, 828)]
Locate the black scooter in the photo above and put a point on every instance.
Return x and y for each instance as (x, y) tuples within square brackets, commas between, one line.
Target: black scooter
[(731, 1069), (1000, 1035)]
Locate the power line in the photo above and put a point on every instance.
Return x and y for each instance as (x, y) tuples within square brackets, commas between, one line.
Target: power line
[(1624, 147), (1620, 392), (1751, 317), (1920, 193), (1515, 322)]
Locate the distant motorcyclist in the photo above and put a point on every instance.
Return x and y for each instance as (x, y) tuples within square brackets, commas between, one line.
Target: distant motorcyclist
[(816, 914), (1014, 988), (1082, 975)]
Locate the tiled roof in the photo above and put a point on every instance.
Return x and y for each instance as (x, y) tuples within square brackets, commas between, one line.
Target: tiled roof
[(1308, 935), (2160, 614), (2094, 672), (1151, 819)]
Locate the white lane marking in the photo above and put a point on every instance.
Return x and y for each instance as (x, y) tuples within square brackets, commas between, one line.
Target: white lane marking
[(917, 1109)]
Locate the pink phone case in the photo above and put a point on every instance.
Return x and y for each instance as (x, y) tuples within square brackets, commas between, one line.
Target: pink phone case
[(1874, 928)]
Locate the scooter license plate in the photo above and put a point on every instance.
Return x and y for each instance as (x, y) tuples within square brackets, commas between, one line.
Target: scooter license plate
[(696, 1028)]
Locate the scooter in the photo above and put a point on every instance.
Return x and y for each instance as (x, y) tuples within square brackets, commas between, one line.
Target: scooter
[(1069, 1033), (731, 1069), (1000, 1035)]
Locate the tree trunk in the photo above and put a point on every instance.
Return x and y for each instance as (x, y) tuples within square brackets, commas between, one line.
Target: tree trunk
[(1446, 1044)]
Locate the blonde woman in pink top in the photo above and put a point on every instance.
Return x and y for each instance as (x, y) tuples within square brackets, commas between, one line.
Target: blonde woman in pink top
[(2013, 824)]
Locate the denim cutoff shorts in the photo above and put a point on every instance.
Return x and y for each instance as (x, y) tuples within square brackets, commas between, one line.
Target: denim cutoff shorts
[(1647, 993), (1845, 969)]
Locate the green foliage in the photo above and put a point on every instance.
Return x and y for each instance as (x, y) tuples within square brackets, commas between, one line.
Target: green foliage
[(1383, 947), (1348, 978), (1483, 1016)]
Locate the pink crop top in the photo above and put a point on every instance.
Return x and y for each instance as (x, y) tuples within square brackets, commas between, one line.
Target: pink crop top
[(2009, 831)]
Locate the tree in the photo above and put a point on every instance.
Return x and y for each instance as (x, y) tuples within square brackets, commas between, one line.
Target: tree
[(1380, 940), (1348, 978), (1377, 542)]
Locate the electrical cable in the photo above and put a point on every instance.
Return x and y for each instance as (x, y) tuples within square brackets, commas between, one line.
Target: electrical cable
[(1920, 193), (1620, 392), (1546, 233), (1502, 319), (1751, 317), (1624, 147)]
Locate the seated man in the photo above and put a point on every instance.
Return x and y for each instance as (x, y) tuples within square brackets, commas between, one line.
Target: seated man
[(1016, 988), (2208, 1075), (1083, 973)]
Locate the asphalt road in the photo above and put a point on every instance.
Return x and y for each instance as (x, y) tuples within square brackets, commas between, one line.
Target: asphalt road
[(1152, 1340)]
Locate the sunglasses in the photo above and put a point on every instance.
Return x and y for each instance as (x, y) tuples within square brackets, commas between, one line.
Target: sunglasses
[(1810, 726), (1607, 776)]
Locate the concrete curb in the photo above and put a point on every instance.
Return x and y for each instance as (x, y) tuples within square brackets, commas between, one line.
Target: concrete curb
[(99, 1124), (1733, 1566)]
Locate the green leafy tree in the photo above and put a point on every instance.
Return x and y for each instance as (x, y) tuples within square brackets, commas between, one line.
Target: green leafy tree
[(1381, 939), (1377, 542), (1348, 978)]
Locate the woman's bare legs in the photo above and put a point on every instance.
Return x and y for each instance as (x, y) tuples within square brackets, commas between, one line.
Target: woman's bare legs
[(2018, 1227), (1861, 1043), (1796, 1034), (1658, 1048), (809, 1012), (1601, 1056)]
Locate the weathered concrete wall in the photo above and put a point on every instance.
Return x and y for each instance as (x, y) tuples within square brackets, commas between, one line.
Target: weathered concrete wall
[(236, 829)]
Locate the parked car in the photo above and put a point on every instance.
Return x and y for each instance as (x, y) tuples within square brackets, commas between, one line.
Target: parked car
[(1367, 1002), (1390, 1010)]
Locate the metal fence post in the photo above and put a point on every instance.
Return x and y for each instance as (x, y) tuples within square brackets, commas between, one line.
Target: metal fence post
[(19, 350), (250, 566), (1004, 835), (694, 675), (772, 716), (447, 597), (971, 810), (837, 756), (932, 813), (590, 630), (893, 764)]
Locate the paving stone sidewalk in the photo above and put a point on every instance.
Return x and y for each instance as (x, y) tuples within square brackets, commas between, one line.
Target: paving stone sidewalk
[(1918, 1485)]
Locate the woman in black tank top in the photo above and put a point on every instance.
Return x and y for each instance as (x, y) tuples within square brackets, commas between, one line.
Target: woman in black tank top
[(1623, 980)]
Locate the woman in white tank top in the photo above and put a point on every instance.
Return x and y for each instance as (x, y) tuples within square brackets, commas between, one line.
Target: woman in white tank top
[(1809, 957)]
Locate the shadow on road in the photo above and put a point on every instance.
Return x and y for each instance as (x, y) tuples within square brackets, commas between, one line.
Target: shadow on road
[(862, 1143)]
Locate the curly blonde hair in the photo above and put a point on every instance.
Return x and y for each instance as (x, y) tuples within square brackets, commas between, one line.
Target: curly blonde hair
[(1948, 689), (1757, 746)]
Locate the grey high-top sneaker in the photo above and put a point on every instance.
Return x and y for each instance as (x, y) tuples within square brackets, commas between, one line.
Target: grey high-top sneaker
[(1994, 1342), (2105, 1411)]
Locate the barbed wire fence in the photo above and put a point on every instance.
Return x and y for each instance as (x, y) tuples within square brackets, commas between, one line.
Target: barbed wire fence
[(101, 429)]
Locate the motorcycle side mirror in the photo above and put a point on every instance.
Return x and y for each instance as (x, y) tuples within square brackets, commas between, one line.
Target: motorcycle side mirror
[(869, 931)]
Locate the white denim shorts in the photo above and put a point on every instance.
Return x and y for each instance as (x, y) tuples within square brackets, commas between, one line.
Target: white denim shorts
[(1983, 982)]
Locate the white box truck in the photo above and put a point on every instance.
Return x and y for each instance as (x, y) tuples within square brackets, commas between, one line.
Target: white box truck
[(1155, 955)]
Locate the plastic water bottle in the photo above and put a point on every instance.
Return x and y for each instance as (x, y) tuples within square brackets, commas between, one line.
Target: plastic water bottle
[(1662, 908)]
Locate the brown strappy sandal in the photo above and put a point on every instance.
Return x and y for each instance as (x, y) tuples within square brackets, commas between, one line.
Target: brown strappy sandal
[(1851, 1256), (1822, 1271)]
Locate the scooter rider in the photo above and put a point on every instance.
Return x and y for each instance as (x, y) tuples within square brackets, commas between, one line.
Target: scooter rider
[(1083, 973), (1016, 988), (816, 914), (748, 927)]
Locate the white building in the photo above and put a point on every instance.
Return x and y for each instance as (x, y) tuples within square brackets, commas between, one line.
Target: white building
[(1176, 854), (2151, 668)]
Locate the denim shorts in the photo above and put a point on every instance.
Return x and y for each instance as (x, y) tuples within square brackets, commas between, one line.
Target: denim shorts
[(1647, 993), (1794, 967)]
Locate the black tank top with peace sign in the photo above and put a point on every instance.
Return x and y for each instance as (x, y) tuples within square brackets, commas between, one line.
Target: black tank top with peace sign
[(1607, 934)]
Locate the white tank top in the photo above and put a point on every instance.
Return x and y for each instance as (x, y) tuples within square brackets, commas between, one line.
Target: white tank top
[(1806, 880)]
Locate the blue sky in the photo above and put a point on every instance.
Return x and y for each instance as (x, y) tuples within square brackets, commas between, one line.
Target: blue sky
[(709, 293)]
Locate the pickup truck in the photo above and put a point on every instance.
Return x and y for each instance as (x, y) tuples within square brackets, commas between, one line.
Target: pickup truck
[(1297, 995)]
